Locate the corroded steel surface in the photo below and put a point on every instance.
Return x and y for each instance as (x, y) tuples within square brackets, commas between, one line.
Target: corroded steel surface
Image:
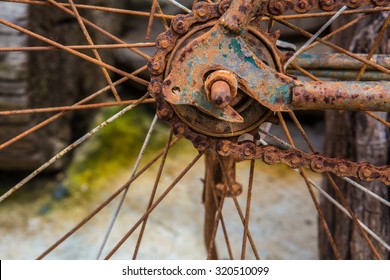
[(355, 96), (224, 139), (340, 61), (217, 50)]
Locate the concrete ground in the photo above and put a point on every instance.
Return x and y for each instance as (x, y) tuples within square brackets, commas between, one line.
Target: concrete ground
[(283, 219)]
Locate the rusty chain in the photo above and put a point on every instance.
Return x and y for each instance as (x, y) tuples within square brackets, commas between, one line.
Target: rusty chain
[(294, 158)]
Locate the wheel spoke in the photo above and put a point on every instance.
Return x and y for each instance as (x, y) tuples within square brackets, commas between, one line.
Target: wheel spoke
[(346, 212), (211, 245), (302, 172), (74, 107), (74, 52), (155, 204), (69, 148), (337, 31), (79, 47), (181, 6), (151, 18), (342, 198), (374, 46), (238, 207), (94, 51), (315, 36), (94, 8), (224, 230), (101, 30), (59, 115), (122, 199), (337, 48), (103, 205), (153, 194)]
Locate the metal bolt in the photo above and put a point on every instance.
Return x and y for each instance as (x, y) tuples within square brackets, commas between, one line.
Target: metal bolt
[(367, 173), (302, 4), (328, 2), (278, 6), (180, 25), (295, 160), (220, 94), (164, 44), (248, 152), (343, 168), (318, 165), (156, 66), (202, 12)]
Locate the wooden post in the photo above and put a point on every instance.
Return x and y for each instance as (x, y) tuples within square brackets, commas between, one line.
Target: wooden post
[(357, 136)]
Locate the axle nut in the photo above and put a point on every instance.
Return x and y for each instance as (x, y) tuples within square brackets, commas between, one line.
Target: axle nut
[(221, 87)]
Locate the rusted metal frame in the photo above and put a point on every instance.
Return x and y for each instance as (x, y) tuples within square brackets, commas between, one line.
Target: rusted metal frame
[(345, 75), (59, 115), (302, 172), (357, 96), (341, 66), (238, 207), (99, 29), (247, 209), (94, 51), (153, 194), (93, 7), (155, 204), (104, 203), (211, 201), (333, 46), (339, 61), (69, 148), (224, 229), (314, 78), (74, 52), (73, 107), (211, 250)]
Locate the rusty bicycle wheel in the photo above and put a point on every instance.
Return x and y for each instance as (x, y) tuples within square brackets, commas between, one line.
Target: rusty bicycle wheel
[(230, 78)]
